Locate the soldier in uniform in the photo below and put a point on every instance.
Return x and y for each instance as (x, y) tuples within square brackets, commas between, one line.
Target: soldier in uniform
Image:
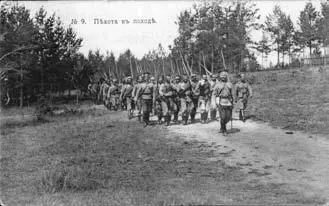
[(213, 106), (157, 104), (100, 92), (242, 93), (185, 95), (223, 92), (105, 90), (126, 93), (137, 99), (93, 89), (113, 95), (203, 90), (194, 97), (176, 98), (123, 102), (146, 93), (166, 92)]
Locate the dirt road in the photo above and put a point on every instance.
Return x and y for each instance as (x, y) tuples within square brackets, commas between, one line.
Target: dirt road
[(299, 160), (254, 164)]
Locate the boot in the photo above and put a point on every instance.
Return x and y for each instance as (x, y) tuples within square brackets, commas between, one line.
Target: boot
[(146, 119), (202, 118), (167, 119), (175, 117), (192, 117), (224, 130), (213, 114), (130, 114), (243, 116), (185, 118), (205, 117), (159, 119), (139, 118)]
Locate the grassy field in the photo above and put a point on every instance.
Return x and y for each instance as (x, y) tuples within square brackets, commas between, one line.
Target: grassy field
[(99, 158), (295, 99)]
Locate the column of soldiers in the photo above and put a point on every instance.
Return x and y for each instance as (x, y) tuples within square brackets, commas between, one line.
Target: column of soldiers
[(169, 97)]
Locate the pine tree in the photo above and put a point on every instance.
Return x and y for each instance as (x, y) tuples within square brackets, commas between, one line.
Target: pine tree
[(308, 19)]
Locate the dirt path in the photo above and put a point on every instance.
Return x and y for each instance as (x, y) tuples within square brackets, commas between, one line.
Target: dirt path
[(268, 154)]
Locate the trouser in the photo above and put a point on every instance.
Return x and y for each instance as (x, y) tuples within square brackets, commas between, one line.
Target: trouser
[(176, 107), (204, 104), (213, 107), (147, 109), (194, 108), (225, 113), (186, 106), (130, 106), (158, 110), (123, 104), (138, 109), (168, 107), (114, 101), (241, 106)]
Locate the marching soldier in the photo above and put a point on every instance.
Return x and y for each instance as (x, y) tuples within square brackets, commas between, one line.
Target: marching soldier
[(126, 93), (93, 89), (203, 90), (137, 99), (242, 93), (123, 102), (146, 93), (176, 98), (213, 106), (105, 90), (113, 95), (166, 93), (100, 93), (157, 104), (185, 95), (194, 97), (223, 92)]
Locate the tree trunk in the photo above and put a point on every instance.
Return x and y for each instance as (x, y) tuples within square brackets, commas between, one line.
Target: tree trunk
[(282, 59), (21, 87), (262, 60), (163, 66), (212, 60), (278, 55)]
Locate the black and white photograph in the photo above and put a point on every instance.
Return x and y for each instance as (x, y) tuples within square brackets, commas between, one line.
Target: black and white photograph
[(168, 102)]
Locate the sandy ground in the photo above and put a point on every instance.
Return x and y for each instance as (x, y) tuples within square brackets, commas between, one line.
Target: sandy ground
[(299, 159)]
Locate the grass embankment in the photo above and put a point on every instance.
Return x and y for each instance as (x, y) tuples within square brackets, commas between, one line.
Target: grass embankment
[(292, 99), (99, 158)]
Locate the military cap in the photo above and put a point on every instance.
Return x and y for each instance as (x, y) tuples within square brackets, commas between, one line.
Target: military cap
[(223, 75), (214, 76)]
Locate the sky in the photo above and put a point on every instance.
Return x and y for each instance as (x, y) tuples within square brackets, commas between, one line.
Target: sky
[(140, 37)]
